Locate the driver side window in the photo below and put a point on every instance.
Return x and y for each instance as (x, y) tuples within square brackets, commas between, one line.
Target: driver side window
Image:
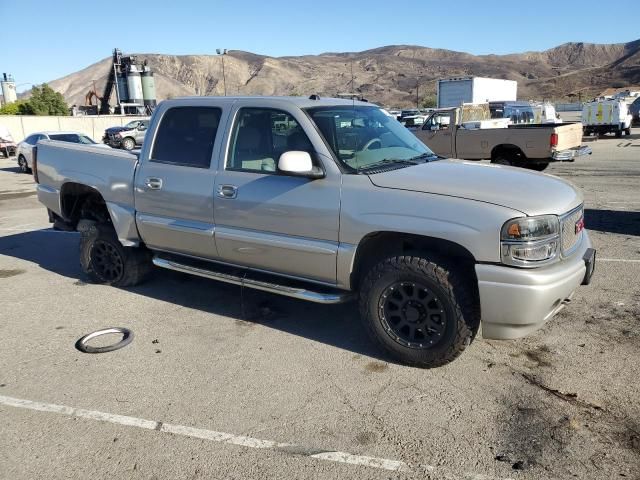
[(260, 136), (438, 122)]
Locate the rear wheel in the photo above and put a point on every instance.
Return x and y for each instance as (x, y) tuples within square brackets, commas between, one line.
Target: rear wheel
[(627, 131), (538, 167), (502, 160), (106, 261), (128, 143), (619, 133), (419, 310)]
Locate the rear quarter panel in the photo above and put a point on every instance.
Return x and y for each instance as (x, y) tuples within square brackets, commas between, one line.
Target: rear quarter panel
[(108, 171)]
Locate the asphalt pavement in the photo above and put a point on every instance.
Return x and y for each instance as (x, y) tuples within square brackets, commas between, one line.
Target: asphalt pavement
[(224, 383)]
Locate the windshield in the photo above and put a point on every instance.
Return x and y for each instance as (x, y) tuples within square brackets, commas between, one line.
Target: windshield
[(361, 137), (132, 125), (85, 139)]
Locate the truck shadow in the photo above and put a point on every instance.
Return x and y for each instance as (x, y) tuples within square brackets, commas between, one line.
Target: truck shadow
[(10, 169), (623, 222), (335, 325)]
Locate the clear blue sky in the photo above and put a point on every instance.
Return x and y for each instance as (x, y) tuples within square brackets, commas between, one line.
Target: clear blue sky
[(44, 40)]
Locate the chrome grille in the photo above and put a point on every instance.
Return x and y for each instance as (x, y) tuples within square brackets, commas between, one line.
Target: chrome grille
[(569, 238)]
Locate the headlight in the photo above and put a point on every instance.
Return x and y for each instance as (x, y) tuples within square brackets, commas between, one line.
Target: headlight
[(530, 241)]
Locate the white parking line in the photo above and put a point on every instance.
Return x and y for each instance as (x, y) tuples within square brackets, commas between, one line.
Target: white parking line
[(623, 260), (222, 437)]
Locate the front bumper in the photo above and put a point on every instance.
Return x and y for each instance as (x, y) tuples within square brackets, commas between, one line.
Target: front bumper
[(515, 301), (112, 140), (8, 148), (571, 154)]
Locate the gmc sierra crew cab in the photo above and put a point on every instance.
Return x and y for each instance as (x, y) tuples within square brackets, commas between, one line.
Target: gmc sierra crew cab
[(326, 200)]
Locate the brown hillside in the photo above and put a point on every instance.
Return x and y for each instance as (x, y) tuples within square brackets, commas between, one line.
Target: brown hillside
[(386, 75)]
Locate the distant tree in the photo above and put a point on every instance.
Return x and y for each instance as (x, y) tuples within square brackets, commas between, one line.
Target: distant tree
[(11, 108), (429, 102), (44, 101)]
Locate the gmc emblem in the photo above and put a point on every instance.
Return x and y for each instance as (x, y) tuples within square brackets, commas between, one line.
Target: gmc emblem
[(579, 225)]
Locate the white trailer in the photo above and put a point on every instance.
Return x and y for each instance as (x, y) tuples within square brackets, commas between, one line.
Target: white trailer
[(453, 92), (606, 116)]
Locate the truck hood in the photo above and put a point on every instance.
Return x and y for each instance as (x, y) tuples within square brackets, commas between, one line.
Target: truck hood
[(115, 129), (530, 192)]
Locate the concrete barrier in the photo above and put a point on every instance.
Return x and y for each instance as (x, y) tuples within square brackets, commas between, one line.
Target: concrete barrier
[(22, 126)]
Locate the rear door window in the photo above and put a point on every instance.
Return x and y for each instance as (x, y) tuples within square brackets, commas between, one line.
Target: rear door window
[(65, 137), (186, 136)]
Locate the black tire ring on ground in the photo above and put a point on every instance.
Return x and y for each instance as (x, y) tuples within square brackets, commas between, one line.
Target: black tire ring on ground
[(127, 336)]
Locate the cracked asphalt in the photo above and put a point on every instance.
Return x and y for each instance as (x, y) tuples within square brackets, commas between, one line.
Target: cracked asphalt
[(561, 403)]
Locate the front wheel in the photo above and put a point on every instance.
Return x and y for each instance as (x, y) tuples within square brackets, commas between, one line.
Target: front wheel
[(627, 131), (24, 166), (619, 133), (128, 143), (420, 310), (106, 261)]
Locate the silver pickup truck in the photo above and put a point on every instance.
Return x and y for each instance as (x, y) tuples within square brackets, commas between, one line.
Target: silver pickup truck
[(327, 200)]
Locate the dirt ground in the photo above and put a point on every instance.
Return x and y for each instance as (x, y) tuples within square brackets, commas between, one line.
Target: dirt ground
[(561, 403)]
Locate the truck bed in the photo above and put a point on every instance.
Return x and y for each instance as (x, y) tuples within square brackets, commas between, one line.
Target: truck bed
[(110, 172)]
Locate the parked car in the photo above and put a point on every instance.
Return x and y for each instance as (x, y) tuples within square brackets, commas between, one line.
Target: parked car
[(531, 146), (7, 145), (343, 203), (396, 113), (25, 148), (127, 137), (606, 116)]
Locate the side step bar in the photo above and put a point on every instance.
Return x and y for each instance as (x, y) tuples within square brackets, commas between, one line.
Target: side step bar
[(288, 291)]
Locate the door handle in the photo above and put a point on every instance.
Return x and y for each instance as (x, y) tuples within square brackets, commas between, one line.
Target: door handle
[(153, 183), (227, 191)]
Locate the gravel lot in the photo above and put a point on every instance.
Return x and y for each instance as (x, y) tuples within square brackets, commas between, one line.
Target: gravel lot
[(564, 402)]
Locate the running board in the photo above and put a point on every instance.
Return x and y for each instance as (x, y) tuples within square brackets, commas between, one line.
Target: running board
[(287, 291)]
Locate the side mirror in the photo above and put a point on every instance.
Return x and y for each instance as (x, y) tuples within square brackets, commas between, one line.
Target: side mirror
[(434, 128), (142, 127), (298, 164)]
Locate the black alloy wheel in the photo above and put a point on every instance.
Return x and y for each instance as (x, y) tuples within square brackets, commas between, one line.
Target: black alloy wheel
[(412, 315), (107, 262)]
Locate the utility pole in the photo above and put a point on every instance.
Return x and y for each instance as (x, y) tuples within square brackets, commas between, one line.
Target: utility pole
[(353, 88), (222, 53), (418, 92)]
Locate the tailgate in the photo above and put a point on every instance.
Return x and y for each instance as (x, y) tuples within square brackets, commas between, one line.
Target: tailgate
[(569, 136)]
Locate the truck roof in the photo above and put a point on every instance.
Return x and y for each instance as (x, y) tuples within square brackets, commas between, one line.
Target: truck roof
[(302, 102)]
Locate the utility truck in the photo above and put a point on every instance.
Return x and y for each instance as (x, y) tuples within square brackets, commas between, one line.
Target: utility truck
[(453, 92), (607, 116)]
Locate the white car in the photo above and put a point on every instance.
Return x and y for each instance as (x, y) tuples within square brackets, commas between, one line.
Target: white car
[(24, 152)]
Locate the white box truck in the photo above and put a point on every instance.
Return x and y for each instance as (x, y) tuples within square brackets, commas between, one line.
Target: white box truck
[(453, 92), (606, 116)]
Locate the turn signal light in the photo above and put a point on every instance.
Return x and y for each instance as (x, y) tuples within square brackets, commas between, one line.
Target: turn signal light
[(514, 230)]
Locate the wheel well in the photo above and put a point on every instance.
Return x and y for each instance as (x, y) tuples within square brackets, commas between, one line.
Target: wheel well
[(507, 150), (79, 201), (380, 245)]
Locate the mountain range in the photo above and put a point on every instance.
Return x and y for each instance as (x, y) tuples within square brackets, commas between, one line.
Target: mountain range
[(386, 75)]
